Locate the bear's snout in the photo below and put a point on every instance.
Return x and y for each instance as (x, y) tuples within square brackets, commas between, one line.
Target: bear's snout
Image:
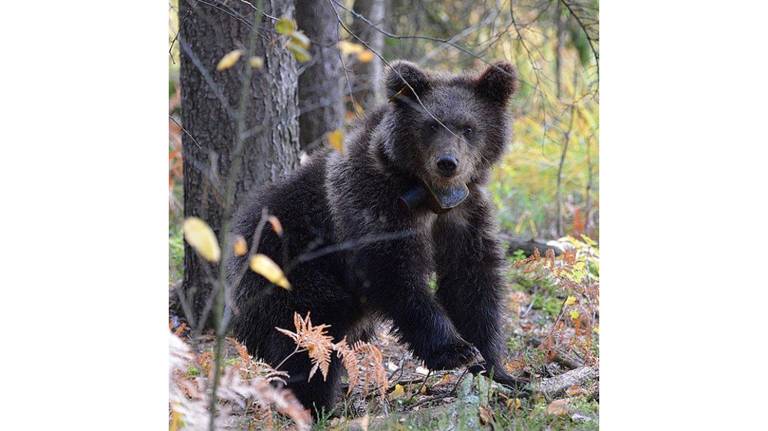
[(446, 165)]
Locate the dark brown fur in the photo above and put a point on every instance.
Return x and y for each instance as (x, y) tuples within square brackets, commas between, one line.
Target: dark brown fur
[(351, 253)]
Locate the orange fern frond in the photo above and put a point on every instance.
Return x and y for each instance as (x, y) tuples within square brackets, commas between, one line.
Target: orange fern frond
[(349, 361), (314, 340)]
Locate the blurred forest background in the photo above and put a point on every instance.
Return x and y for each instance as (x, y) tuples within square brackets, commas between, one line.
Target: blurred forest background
[(313, 67)]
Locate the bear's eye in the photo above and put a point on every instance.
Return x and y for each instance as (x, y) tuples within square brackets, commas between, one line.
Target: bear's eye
[(467, 131), (434, 126)]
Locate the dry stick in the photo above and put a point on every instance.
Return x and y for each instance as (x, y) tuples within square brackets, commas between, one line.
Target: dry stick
[(461, 377), (423, 382), (236, 164), (400, 369)]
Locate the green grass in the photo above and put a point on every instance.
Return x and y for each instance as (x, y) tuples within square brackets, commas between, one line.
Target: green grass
[(176, 253), (476, 394)]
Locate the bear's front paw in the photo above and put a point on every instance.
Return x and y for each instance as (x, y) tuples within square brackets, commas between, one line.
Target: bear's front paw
[(451, 355)]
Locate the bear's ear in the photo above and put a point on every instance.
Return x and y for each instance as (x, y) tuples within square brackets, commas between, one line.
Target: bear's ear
[(498, 82), (405, 70)]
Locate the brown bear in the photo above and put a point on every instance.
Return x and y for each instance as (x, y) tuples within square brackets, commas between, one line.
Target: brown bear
[(365, 228)]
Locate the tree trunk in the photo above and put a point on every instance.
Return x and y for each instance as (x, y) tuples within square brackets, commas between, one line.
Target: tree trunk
[(231, 143), (320, 83), (559, 33), (367, 90)]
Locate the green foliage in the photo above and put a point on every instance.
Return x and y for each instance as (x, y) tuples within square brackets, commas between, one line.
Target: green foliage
[(518, 255), (193, 371), (551, 305), (432, 282)]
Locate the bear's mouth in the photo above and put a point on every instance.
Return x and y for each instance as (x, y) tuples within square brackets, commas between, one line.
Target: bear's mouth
[(439, 199)]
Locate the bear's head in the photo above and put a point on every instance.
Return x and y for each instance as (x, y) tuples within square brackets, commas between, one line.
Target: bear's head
[(447, 130)]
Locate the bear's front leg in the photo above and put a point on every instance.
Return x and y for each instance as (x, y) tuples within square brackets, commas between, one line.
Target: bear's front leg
[(470, 283), (392, 278)]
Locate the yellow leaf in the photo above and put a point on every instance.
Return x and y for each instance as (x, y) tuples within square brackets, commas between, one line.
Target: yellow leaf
[(336, 140), (366, 56), (300, 39), (256, 62), (201, 237), (348, 48), (276, 225), (570, 300), (299, 52), (229, 60), (575, 315), (398, 392), (558, 407), (285, 26), (596, 330), (517, 403), (175, 421), (240, 247), (446, 379), (262, 264)]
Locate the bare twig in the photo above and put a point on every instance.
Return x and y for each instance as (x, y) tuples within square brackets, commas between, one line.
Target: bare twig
[(236, 163), (397, 36), (407, 84), (583, 27)]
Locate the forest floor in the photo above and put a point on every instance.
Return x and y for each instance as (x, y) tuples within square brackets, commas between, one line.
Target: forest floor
[(552, 325)]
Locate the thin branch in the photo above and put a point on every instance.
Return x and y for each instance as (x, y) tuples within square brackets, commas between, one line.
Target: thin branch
[(583, 27), (381, 57), (396, 36), (236, 164)]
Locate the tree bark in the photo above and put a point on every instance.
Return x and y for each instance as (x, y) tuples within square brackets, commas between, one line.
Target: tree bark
[(320, 83), (367, 89), (231, 143)]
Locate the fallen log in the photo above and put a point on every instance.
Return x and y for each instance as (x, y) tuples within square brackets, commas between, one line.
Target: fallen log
[(555, 386), (527, 246)]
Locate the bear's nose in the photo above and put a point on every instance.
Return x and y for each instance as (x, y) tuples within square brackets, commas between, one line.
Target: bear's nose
[(447, 165)]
